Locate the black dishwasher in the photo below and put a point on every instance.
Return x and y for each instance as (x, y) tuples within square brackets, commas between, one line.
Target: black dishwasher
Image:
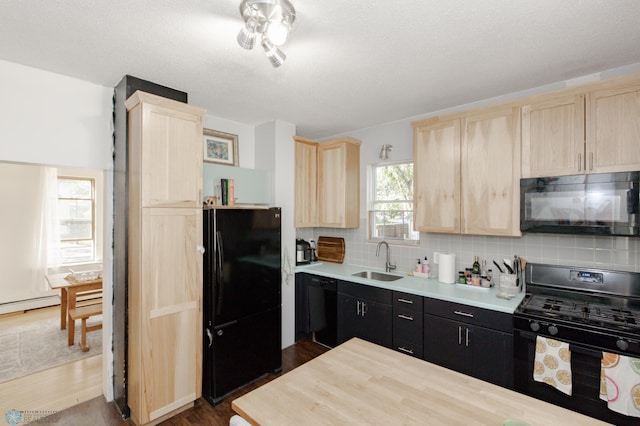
[(316, 308)]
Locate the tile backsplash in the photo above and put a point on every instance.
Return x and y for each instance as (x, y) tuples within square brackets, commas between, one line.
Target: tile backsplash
[(618, 253)]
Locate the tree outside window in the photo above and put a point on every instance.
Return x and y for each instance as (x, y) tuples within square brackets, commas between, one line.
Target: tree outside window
[(76, 214), (391, 202)]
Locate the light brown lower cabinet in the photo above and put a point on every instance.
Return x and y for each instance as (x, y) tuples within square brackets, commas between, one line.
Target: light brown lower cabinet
[(165, 338)]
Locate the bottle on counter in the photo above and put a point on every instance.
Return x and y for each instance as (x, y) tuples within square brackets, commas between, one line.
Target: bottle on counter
[(418, 266), (426, 267), (476, 266)]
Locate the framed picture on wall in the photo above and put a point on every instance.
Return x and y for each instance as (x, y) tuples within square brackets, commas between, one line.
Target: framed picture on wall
[(220, 147)]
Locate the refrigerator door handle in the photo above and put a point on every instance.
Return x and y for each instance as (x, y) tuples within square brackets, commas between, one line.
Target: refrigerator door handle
[(210, 336), (219, 272)]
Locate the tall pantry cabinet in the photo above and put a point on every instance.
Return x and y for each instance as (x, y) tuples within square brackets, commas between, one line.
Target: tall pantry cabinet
[(165, 257)]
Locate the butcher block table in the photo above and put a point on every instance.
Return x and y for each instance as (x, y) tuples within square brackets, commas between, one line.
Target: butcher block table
[(360, 383)]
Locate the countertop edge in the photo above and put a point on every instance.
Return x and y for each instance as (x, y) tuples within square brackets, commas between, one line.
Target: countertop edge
[(427, 287)]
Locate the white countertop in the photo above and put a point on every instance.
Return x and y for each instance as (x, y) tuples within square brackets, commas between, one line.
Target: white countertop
[(459, 293)]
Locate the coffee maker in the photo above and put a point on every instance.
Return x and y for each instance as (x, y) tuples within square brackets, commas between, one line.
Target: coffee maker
[(312, 247), (303, 252)]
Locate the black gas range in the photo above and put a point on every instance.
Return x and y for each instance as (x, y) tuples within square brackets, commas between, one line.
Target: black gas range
[(594, 311)]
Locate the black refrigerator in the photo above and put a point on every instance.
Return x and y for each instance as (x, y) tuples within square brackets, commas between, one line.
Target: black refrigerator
[(242, 298)]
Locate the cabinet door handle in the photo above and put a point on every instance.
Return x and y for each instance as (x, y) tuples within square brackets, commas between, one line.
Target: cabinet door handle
[(464, 314), (410, 302), (405, 350), (467, 338), (459, 335), (579, 162), (358, 308), (406, 317), (364, 308), (591, 161)]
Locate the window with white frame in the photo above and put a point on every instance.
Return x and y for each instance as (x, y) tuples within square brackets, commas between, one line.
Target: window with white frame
[(391, 202), (76, 219)]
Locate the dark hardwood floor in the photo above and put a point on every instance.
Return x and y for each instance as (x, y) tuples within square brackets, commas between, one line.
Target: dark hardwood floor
[(97, 412)]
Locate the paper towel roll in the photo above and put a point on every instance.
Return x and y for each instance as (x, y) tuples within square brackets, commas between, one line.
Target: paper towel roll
[(447, 268)]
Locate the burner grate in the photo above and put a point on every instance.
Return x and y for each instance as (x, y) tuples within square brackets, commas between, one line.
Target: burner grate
[(552, 307), (614, 315), (584, 312)]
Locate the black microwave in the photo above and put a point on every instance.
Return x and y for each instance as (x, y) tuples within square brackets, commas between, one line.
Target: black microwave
[(592, 204)]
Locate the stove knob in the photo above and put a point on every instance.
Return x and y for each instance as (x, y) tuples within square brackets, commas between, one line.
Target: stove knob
[(622, 344), (534, 326), (553, 330)]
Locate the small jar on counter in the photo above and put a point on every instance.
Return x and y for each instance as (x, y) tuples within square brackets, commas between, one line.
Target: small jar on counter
[(467, 275), (475, 279), (461, 278)]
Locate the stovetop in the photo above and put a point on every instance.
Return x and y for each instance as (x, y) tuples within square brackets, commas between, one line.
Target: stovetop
[(604, 300), (611, 315)]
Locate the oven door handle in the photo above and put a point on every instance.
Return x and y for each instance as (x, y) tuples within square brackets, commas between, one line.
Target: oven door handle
[(572, 346)]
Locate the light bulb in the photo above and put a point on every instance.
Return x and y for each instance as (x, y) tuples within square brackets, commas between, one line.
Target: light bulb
[(277, 32)]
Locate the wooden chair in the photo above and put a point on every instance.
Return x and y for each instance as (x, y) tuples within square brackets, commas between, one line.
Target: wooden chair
[(83, 313), (83, 302)]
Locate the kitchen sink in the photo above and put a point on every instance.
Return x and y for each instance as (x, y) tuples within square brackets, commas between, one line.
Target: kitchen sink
[(379, 276)]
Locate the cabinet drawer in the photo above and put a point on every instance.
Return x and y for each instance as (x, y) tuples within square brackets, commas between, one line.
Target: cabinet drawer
[(363, 291), (405, 302), (409, 348), (407, 327), (469, 314)]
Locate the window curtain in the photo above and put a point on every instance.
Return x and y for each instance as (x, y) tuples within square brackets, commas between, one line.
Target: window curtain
[(48, 244)]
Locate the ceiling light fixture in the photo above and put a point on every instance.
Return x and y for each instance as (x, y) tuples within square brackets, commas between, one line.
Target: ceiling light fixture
[(272, 20)]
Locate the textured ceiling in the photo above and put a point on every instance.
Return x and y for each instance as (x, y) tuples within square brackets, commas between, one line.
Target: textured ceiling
[(350, 64)]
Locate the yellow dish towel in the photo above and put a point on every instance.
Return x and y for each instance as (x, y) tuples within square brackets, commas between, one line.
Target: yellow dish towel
[(552, 364), (620, 383)]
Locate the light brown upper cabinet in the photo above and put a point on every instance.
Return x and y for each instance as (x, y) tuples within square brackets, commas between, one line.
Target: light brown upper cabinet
[(613, 128), (306, 183), (339, 183), (553, 137), (165, 257), (591, 129), (436, 171), (166, 176), (491, 172), (330, 197), (467, 172)]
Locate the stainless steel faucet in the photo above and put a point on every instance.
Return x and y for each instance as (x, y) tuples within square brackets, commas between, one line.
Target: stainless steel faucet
[(387, 266)]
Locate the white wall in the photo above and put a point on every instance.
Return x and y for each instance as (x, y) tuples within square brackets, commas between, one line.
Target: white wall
[(245, 133), (49, 118), (275, 152)]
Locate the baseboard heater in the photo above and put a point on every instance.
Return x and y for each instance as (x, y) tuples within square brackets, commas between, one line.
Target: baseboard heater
[(25, 305)]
